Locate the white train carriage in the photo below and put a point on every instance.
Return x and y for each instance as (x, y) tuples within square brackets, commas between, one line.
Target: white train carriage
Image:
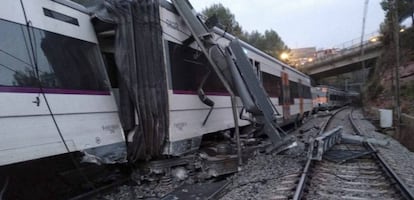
[(328, 97), (184, 68), (288, 88), (54, 94)]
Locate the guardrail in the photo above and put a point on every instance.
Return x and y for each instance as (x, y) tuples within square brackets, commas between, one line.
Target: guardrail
[(352, 46)]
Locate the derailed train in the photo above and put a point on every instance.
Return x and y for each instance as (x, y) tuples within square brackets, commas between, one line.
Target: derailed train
[(153, 87)]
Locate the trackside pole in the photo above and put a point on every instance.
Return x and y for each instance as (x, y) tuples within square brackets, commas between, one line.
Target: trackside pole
[(236, 128)]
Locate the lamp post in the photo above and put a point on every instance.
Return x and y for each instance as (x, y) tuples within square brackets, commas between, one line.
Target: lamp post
[(362, 40), (396, 32)]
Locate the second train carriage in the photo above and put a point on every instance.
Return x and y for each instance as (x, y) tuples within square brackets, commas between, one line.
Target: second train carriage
[(171, 119), (328, 98)]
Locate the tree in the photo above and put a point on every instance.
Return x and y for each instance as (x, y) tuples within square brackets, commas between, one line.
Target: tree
[(273, 44), (405, 9), (225, 17), (269, 42), (256, 39)]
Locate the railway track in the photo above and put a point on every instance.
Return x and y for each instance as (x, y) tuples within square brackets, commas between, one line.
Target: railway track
[(349, 170), (365, 176)]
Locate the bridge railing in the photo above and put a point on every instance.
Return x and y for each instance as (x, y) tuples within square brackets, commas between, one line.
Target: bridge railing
[(351, 46)]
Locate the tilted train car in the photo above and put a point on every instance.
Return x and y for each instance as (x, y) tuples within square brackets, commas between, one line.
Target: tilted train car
[(170, 115), (328, 98), (54, 94)]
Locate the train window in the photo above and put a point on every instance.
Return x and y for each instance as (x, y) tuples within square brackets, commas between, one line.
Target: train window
[(60, 17), (188, 68), (68, 63), (111, 69), (63, 62), (272, 84), (258, 70), (294, 91), (305, 91), (251, 61), (15, 67)]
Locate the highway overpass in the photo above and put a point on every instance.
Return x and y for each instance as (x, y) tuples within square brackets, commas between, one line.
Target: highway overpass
[(343, 61)]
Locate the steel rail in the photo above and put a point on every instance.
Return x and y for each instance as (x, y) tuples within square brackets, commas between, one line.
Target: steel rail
[(399, 183), (302, 182), (327, 122), (100, 190), (303, 178)]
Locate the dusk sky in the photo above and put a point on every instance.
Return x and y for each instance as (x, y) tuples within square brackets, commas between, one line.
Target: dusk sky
[(304, 23)]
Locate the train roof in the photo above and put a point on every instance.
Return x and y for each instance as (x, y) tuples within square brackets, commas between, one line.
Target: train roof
[(169, 6), (73, 5), (257, 51), (329, 87)]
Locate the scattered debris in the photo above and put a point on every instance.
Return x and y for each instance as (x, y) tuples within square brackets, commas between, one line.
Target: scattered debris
[(364, 139), (205, 191), (323, 143)]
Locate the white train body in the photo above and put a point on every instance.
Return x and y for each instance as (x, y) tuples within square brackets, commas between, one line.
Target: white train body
[(83, 107), (187, 112), (75, 83)]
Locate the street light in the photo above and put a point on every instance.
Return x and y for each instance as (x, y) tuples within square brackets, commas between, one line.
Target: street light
[(284, 56), (373, 39)]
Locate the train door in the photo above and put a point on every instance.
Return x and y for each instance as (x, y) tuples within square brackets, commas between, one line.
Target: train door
[(286, 96), (300, 92)]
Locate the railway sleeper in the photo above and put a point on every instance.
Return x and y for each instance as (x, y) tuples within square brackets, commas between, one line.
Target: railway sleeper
[(352, 171), (351, 177), (371, 183), (351, 185), (329, 196), (356, 165), (355, 191)]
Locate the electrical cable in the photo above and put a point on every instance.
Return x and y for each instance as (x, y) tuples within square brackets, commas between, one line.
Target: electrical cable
[(15, 57), (35, 66), (9, 68)]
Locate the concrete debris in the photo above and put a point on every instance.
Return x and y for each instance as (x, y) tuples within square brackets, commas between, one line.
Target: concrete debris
[(180, 173), (323, 143), (361, 139)]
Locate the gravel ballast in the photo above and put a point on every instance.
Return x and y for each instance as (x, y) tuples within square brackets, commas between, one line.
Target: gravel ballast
[(395, 154), (264, 176)]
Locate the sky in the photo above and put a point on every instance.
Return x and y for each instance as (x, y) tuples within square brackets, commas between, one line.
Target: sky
[(304, 23)]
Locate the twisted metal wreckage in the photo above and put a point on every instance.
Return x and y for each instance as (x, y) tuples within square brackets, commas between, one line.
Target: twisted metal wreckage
[(138, 49)]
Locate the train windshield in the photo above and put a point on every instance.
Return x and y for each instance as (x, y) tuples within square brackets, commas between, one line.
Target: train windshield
[(62, 62), (321, 91)]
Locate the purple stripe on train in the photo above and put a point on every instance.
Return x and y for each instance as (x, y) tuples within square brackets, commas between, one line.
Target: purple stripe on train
[(195, 93), (13, 89), (208, 93)]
